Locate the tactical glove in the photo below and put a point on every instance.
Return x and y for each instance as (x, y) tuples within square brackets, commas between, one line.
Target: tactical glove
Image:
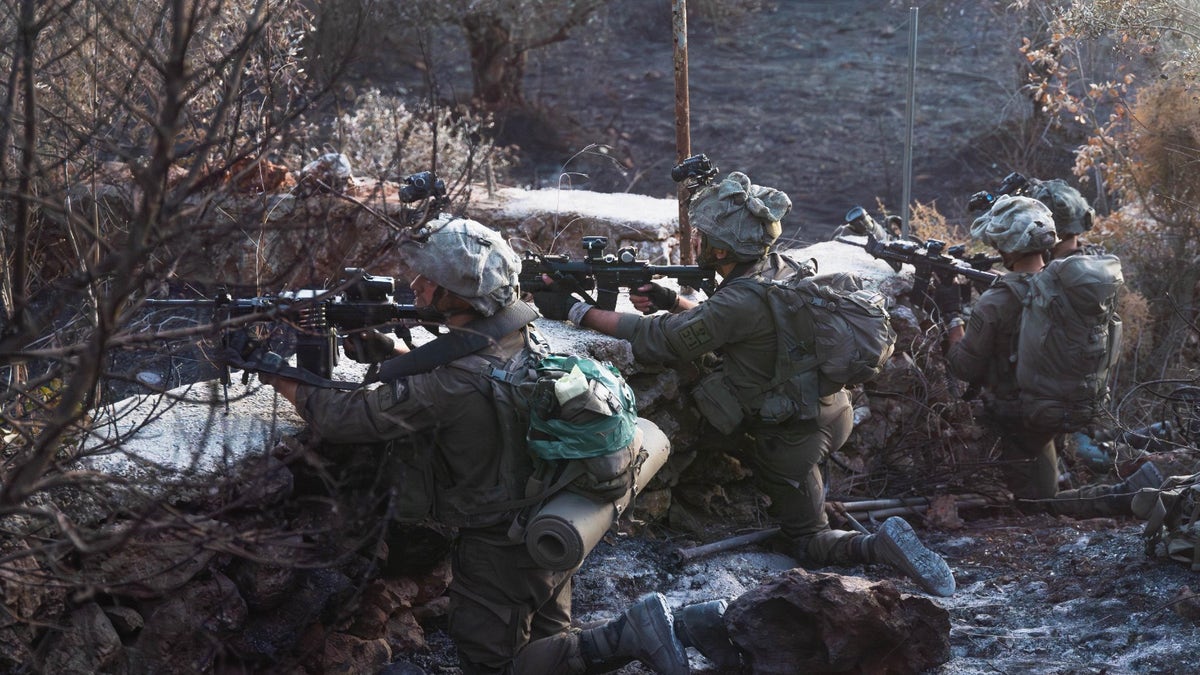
[(948, 299), (237, 356), (658, 297), (369, 346), (554, 304)]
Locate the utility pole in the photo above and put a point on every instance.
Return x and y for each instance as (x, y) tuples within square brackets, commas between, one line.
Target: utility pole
[(683, 122), (910, 113)]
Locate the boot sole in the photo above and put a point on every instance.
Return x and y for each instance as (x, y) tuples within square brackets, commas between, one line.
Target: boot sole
[(924, 566)]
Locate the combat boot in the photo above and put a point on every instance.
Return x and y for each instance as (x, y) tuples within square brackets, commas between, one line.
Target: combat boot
[(1123, 495), (896, 544), (702, 627), (1147, 476), (645, 632)]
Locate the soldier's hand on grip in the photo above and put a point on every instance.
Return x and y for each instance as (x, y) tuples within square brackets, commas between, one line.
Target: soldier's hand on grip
[(369, 346), (948, 298), (653, 297)]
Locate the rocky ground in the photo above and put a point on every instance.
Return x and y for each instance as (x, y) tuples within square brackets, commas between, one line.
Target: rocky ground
[(1036, 594)]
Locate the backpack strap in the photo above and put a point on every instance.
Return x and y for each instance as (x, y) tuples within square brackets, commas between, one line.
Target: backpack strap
[(508, 374), (456, 344), (535, 493), (1018, 286)]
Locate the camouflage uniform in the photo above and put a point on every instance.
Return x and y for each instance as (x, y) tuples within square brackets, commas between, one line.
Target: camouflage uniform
[(450, 460), (785, 458), (504, 611), (984, 357), (738, 223)]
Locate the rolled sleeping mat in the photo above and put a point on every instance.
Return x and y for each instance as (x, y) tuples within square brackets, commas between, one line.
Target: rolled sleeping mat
[(570, 525)]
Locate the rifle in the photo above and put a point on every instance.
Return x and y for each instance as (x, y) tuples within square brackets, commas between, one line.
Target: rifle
[(980, 261), (928, 260), (359, 301), (605, 273)]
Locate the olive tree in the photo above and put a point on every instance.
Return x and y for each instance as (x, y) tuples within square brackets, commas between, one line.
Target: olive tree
[(499, 36)]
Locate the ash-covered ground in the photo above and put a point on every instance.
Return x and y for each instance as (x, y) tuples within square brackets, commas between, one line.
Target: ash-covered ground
[(1036, 594)]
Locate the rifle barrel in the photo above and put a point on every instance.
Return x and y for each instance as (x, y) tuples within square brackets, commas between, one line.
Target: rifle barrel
[(908, 253)]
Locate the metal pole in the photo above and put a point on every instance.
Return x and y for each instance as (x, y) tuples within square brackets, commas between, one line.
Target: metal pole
[(910, 113), (683, 121), (684, 555)]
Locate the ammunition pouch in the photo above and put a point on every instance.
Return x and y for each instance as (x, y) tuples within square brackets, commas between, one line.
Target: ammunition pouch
[(797, 398), (718, 402), (410, 463)]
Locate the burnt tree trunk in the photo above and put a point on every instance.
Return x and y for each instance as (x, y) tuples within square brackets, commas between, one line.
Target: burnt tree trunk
[(497, 63)]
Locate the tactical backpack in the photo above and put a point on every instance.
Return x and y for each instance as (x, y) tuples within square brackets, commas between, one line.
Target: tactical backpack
[(1068, 342), (575, 416), (572, 417), (1172, 515), (831, 332)]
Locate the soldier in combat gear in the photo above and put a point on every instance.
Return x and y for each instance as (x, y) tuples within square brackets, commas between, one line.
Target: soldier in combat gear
[(738, 223), (506, 615), (1022, 229)]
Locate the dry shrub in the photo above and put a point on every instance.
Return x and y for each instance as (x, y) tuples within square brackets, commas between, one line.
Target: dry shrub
[(1134, 309), (386, 139), (1150, 160), (1163, 153), (926, 222)]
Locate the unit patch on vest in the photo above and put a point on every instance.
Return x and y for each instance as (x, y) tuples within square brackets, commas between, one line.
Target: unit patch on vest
[(694, 335), (976, 324)]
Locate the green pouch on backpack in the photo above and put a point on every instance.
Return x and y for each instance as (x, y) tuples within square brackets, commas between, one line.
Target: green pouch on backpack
[(579, 408)]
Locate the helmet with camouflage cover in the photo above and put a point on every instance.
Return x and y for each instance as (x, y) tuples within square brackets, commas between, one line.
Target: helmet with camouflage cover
[(1016, 225), (1072, 215), (738, 216), (466, 258)]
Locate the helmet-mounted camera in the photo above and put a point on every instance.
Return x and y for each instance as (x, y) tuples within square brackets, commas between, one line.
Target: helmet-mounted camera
[(1013, 184), (422, 185), (695, 171)]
